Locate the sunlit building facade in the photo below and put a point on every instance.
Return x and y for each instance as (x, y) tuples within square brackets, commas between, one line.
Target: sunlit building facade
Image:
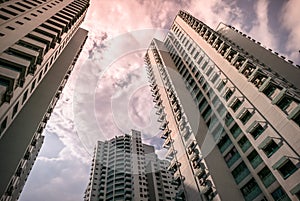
[(229, 112), (40, 43), (124, 168)]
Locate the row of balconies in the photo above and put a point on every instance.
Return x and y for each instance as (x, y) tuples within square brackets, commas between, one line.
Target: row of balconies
[(257, 74), (23, 165), (200, 170), (22, 58)]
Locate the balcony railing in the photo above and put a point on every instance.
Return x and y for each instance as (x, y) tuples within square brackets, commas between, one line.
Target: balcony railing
[(284, 198), (268, 180), (233, 159), (246, 146), (253, 194), (225, 146), (242, 176), (256, 161)]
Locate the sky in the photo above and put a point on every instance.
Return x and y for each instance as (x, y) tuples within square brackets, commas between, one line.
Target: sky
[(107, 93)]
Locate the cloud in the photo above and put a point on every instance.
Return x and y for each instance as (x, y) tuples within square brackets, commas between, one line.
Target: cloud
[(126, 79), (215, 11), (290, 20), (97, 43), (261, 25), (56, 180)]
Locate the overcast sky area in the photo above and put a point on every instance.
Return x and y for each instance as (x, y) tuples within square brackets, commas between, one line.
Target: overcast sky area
[(107, 93)]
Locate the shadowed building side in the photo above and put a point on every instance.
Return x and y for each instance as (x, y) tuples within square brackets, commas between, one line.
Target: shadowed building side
[(40, 43)]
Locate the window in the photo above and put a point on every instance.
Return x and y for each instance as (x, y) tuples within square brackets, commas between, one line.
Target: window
[(231, 157), (270, 148), (18, 22), (25, 96), (26, 18), (251, 190), (245, 116), (196, 55), (32, 86), (202, 104), (216, 101), (215, 77), (206, 113), (269, 90), (23, 5), (285, 167), (236, 104), (3, 125), (235, 130), (254, 159), (4, 17), (40, 75), (10, 28), (221, 109), (296, 118), (266, 176), (284, 103), (16, 8), (296, 191), (228, 119), (240, 172), (221, 85), (8, 12), (15, 109), (209, 71), (279, 194), (46, 67), (29, 2), (204, 65), (228, 94), (244, 143)]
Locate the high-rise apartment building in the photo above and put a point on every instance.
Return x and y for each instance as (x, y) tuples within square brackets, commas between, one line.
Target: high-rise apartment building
[(40, 43), (124, 168), (230, 113)]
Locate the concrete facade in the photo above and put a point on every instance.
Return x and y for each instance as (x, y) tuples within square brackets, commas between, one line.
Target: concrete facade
[(230, 113), (40, 43)]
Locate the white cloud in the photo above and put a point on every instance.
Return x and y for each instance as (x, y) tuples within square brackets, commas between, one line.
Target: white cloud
[(261, 30), (290, 20), (213, 12)]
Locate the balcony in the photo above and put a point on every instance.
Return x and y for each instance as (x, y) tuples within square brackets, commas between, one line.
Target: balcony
[(165, 133), (255, 161), (247, 69), (231, 55), (245, 146), (268, 179), (191, 147), (167, 143), (19, 65), (225, 145), (233, 159), (217, 44), (255, 191), (238, 62), (258, 79), (194, 157), (170, 154), (242, 175), (224, 49)]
